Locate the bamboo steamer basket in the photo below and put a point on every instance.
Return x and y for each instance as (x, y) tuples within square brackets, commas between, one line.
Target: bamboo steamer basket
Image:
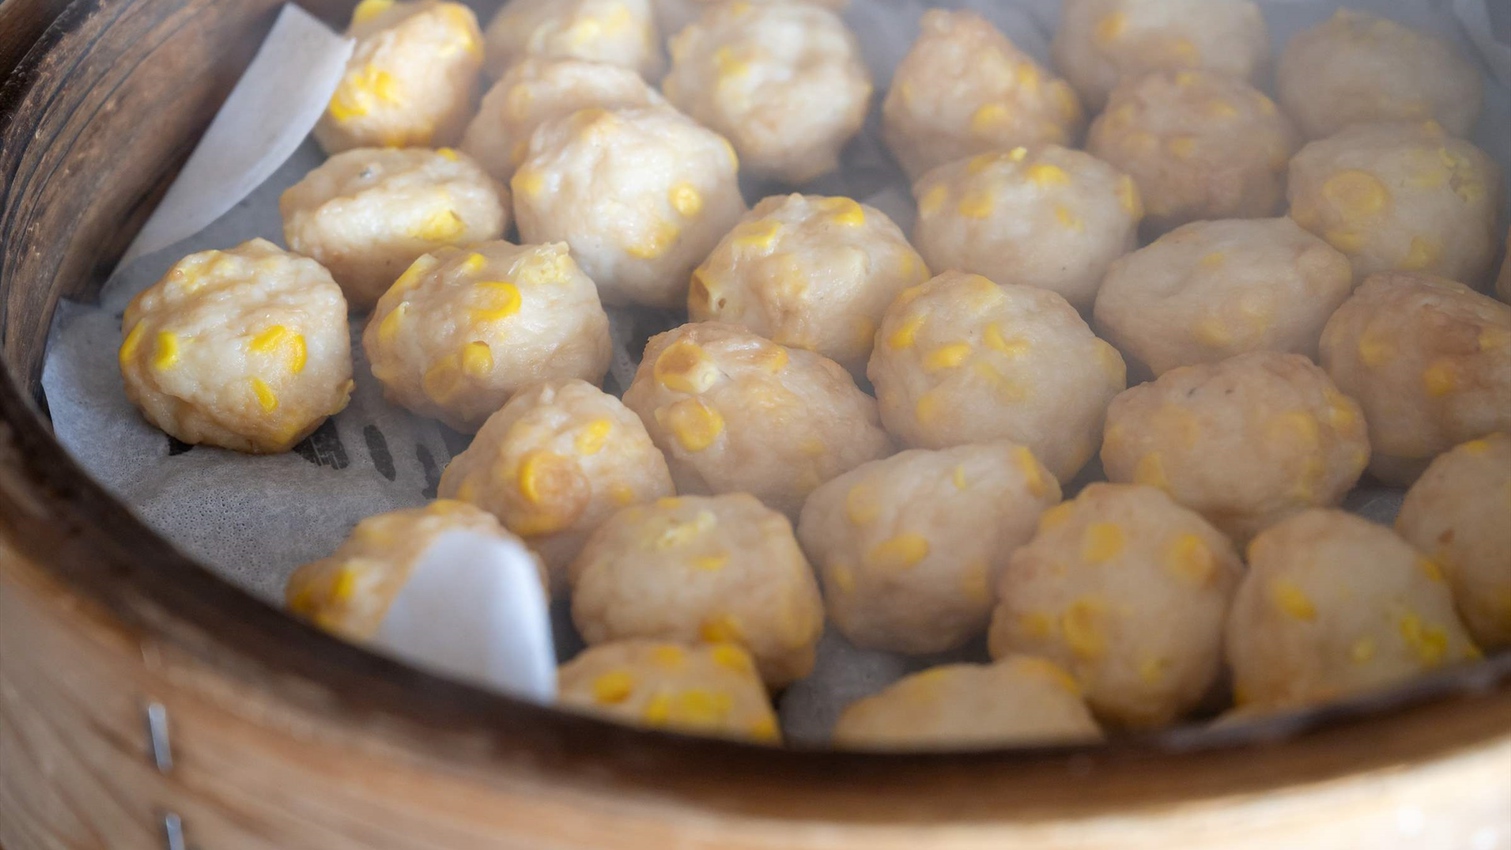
[(144, 703)]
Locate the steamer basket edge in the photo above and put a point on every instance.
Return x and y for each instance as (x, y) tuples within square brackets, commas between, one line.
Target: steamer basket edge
[(282, 734)]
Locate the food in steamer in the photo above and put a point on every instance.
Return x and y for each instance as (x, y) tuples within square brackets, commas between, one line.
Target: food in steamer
[(926, 502)]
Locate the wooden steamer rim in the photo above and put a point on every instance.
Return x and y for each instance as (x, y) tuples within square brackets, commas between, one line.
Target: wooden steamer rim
[(285, 737)]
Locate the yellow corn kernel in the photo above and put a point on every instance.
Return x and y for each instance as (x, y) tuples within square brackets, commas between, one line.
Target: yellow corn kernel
[(842, 577), (1056, 516), (1129, 198), (668, 656), (1430, 643), (902, 552), (266, 398), (539, 472), (1212, 332), (1110, 28), (1044, 174), (1298, 424), (1185, 52), (360, 92), (682, 532), (497, 301), (1007, 390), (528, 182), (613, 688), (906, 336), (1375, 350), (986, 119), (442, 225), (655, 244), (711, 563), (1346, 239), (1032, 472), (1183, 147), (729, 65), (844, 212), (1150, 471), (473, 264), (1036, 624), (959, 479), (933, 200), (1013, 347), (1494, 339), (1081, 624), (1104, 541), (977, 203), (658, 710), (477, 360), (388, 329), (279, 337), (1440, 379), (1430, 569), (133, 342), (1047, 669), (411, 276), (765, 729), (1191, 558), (685, 368), (760, 234), (695, 425), (947, 357), (975, 582), (927, 409), (1356, 194), (591, 438), (774, 358), (1292, 600), (1221, 109), (1069, 219), (166, 356), (701, 708), (981, 162), (1423, 253), (622, 495), (686, 200), (724, 628), (1362, 651), (369, 9)]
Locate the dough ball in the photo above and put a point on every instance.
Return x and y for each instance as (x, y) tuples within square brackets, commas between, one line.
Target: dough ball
[(1401, 197), (1456, 513), (1198, 144), (368, 214), (962, 360), (1102, 42), (673, 15), (1128, 591), (1356, 68), (909, 548), (1334, 605), (809, 272), (1016, 702), (1215, 289), (555, 463), (1429, 361), (462, 330), (1053, 218), (783, 81), (349, 592), (535, 91), (715, 569), (642, 195), (709, 690), (611, 32), (411, 78), (247, 349), (1245, 443), (736, 413), (964, 89)]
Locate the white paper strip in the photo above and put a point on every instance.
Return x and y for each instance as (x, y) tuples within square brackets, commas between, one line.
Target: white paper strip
[(271, 110), (473, 609)]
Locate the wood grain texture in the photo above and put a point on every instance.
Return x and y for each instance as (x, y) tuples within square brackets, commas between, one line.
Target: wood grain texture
[(286, 738)]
